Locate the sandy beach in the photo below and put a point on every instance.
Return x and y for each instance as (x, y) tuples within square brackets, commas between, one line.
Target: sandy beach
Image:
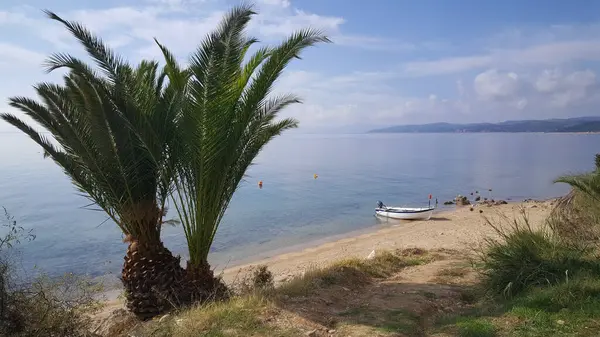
[(458, 229)]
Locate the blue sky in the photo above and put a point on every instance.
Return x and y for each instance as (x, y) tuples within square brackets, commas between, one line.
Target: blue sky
[(392, 62)]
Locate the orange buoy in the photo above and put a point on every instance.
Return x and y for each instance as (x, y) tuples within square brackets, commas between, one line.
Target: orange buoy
[(315, 176), (260, 184)]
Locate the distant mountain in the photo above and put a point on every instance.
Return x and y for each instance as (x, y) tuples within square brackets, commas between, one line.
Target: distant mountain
[(579, 124)]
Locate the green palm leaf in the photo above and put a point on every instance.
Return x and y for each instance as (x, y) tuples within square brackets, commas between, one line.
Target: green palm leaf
[(588, 183), (110, 128), (227, 120)]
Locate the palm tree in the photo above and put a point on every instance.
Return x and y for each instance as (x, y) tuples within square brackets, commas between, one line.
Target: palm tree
[(109, 128), (588, 183), (229, 117)]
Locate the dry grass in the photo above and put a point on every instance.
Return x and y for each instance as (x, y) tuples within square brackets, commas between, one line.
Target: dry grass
[(261, 313), (576, 218), (453, 272), (353, 271), (250, 315)]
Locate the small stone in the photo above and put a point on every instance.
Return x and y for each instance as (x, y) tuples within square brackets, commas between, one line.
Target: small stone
[(312, 333), (331, 332), (480, 211), (560, 322), (462, 201), (163, 318)]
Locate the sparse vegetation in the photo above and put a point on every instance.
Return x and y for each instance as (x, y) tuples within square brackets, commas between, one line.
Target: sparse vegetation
[(260, 280), (542, 281), (240, 316), (41, 306), (353, 271)]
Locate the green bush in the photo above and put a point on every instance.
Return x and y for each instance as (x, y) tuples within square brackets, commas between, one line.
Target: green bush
[(524, 257)]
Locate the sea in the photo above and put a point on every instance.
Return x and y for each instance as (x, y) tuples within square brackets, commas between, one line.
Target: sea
[(315, 188)]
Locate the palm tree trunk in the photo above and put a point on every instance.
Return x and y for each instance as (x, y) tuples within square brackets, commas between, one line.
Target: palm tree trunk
[(152, 278), (202, 285)]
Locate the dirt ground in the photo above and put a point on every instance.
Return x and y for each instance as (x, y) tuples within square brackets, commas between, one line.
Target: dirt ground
[(403, 304)]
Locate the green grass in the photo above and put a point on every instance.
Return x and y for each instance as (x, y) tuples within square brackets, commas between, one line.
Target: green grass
[(537, 285), (567, 309), (475, 327), (524, 257)]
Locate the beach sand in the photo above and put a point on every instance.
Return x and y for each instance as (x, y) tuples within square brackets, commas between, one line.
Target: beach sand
[(459, 229)]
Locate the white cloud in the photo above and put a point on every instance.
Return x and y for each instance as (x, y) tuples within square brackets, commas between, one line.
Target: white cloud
[(280, 3), (283, 25), (12, 56), (565, 90), (373, 43), (495, 85), (445, 66), (551, 54)]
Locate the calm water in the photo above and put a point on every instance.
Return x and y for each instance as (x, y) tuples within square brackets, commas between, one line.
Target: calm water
[(354, 171)]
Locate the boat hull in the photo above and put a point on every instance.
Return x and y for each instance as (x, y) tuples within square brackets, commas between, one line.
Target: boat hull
[(405, 213)]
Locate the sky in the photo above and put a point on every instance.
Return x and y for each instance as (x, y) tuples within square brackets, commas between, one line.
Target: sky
[(391, 62)]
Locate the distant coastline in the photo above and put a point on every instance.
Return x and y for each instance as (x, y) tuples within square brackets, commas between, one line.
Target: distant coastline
[(580, 125)]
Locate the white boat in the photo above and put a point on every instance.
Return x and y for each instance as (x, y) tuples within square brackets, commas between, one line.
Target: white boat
[(404, 213)]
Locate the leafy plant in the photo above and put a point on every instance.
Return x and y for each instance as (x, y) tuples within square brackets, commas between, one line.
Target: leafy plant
[(226, 121), (109, 127)]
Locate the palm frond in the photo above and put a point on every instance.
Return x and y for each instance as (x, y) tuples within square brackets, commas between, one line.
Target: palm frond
[(588, 183), (227, 120), (113, 125)]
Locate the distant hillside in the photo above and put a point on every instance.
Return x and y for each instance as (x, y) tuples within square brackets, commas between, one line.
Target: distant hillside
[(581, 124)]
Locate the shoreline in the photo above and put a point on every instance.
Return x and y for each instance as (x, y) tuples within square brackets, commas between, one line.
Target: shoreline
[(456, 229)]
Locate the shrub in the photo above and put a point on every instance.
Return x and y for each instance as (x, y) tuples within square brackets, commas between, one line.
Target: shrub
[(576, 218), (259, 279), (262, 278), (42, 306), (524, 257)]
